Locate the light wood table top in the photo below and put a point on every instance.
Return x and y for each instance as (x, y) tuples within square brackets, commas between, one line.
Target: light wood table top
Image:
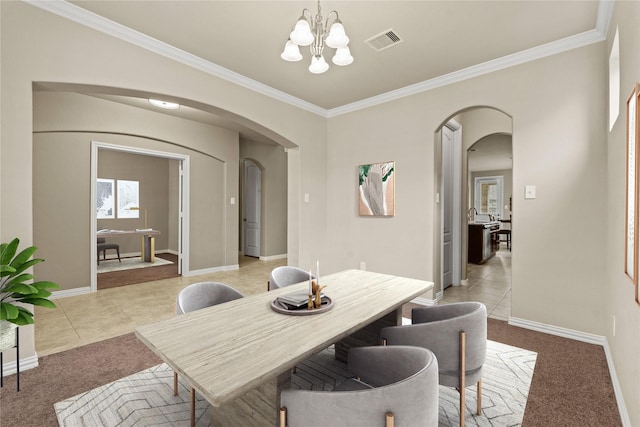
[(149, 232), (226, 350)]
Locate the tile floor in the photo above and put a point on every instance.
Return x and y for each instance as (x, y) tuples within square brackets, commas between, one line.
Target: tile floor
[(489, 283), (84, 319)]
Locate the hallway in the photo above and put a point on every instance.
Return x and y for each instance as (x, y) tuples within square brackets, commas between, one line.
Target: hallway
[(489, 283)]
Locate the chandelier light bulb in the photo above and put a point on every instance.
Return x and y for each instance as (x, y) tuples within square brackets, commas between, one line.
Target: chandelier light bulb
[(291, 52), (301, 34), (343, 56), (318, 65), (337, 36), (315, 32)]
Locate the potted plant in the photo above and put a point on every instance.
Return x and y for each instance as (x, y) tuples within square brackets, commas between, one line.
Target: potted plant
[(15, 291)]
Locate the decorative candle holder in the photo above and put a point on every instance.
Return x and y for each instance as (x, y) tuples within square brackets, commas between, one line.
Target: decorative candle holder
[(318, 302)]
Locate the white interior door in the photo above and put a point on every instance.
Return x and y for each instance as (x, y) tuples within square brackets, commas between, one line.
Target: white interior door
[(251, 207), (447, 206)]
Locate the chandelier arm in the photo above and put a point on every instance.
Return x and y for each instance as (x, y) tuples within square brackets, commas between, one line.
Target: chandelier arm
[(326, 24), (309, 19)]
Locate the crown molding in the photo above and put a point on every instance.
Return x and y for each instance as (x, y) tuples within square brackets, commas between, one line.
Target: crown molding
[(82, 16), (538, 52), (89, 19)]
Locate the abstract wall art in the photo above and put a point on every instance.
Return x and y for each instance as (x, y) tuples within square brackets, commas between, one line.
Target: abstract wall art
[(376, 189)]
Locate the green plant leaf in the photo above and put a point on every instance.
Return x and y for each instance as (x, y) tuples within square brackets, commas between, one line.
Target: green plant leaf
[(23, 256), (45, 284), (6, 270), (42, 293), (42, 302), (8, 311), (20, 289), (19, 279), (22, 267), (8, 251), (25, 317)]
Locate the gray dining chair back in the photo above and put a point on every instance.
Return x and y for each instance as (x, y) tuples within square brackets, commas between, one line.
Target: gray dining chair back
[(287, 275), (195, 297), (395, 385), (204, 294), (457, 335)]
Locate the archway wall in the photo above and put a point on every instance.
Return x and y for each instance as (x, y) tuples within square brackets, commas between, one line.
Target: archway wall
[(558, 109), (38, 46), (65, 125)]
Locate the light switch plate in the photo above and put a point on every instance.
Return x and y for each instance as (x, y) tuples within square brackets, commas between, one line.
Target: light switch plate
[(529, 191), (233, 201)]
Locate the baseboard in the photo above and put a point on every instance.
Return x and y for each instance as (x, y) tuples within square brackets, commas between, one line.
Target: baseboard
[(439, 296), (27, 363), (211, 270), (590, 339), (273, 257), (558, 331), (70, 292)]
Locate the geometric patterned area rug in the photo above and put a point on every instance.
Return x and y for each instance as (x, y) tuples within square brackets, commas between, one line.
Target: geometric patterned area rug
[(109, 265), (146, 398)]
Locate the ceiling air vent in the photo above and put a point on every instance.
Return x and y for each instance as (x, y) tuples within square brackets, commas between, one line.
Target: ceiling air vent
[(384, 40)]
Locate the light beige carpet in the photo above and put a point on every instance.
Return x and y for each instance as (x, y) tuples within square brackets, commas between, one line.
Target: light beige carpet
[(128, 264)]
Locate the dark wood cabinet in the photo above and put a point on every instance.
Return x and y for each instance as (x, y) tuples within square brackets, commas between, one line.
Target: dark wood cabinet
[(481, 245)]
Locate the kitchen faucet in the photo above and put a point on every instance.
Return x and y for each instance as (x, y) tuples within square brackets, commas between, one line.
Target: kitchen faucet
[(470, 214)]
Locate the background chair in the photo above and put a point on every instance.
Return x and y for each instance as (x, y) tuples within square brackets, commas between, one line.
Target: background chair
[(103, 246), (505, 230), (396, 384), (194, 297), (286, 275), (457, 334)]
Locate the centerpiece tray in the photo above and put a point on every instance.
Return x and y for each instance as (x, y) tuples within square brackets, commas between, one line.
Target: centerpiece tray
[(296, 305)]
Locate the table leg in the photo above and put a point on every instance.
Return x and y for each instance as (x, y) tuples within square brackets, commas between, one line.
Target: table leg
[(148, 248), (259, 407)]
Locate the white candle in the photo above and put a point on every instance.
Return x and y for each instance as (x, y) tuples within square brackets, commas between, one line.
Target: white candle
[(310, 285), (318, 272)]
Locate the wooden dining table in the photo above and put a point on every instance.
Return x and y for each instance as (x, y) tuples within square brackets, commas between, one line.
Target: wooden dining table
[(239, 355)]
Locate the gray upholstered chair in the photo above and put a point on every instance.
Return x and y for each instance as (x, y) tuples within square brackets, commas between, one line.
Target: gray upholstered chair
[(197, 296), (103, 246), (396, 384), (457, 334), (287, 275)]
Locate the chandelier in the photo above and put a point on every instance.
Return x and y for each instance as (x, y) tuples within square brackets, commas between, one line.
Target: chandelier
[(310, 31)]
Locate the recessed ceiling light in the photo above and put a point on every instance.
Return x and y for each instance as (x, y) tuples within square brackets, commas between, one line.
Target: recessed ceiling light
[(164, 104)]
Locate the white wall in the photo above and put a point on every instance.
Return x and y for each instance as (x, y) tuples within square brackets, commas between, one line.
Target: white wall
[(557, 106), (567, 268), (48, 48), (618, 299)]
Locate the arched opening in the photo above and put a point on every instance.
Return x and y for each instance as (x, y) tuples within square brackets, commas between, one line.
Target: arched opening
[(471, 144), (121, 119)]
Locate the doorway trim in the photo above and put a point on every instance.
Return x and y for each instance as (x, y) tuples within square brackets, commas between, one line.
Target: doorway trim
[(183, 202)]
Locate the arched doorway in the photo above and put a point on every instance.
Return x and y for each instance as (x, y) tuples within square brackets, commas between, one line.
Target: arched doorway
[(454, 180)]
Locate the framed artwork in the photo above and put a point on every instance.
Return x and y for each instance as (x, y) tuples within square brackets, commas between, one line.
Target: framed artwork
[(631, 211), (105, 202), (376, 189), (128, 197)]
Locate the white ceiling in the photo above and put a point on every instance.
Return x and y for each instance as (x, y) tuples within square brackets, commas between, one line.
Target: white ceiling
[(445, 41)]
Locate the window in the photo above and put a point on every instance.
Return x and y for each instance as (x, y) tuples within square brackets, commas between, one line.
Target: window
[(614, 82), (488, 195)]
